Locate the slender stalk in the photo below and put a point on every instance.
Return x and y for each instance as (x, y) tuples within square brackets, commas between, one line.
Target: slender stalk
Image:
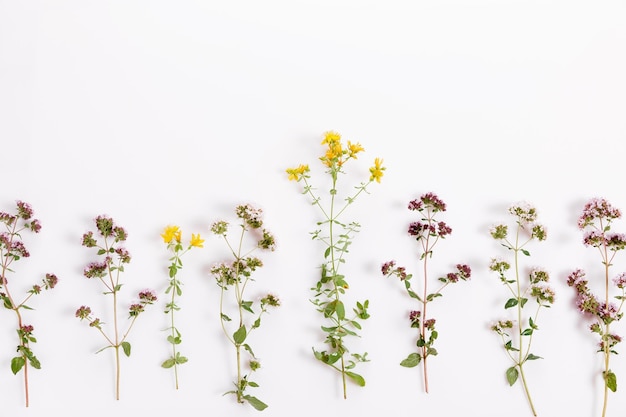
[(606, 352), (423, 322), (174, 334)]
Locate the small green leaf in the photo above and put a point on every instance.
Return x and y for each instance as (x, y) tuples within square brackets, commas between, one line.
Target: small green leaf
[(173, 340), (611, 381), (181, 359), (532, 357), (340, 309), (34, 362), (511, 375), (168, 363), (249, 349), (411, 361), (240, 335), (253, 384), (527, 332), (126, 348), (16, 364), (523, 301), (525, 252), (255, 402), (358, 379), (511, 302), (225, 317)]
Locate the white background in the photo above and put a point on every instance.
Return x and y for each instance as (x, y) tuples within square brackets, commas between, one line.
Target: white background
[(160, 113)]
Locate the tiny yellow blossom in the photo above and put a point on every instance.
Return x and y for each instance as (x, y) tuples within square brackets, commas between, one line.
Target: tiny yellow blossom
[(196, 241), (295, 173), (354, 148), (171, 233), (331, 137), (377, 170)]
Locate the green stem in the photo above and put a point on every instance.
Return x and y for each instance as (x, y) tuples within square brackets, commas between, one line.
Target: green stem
[(530, 401), (174, 334), (521, 355), (4, 283), (336, 290)]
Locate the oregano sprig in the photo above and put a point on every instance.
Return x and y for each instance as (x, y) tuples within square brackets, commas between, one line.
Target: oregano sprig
[(337, 236), (596, 220), (108, 241), (427, 231), (12, 249), (528, 289), (172, 236), (236, 276)]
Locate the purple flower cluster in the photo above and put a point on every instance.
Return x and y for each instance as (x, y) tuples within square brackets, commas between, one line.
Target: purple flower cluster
[(597, 209)]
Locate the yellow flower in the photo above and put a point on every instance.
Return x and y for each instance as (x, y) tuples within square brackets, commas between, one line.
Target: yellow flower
[(354, 148), (171, 233), (331, 137), (196, 241), (377, 170), (295, 173)]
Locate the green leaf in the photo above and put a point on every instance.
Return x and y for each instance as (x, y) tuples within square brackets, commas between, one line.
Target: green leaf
[(25, 307), (327, 252), (240, 335), (527, 332), (181, 359), (126, 348), (341, 311), (532, 357), (249, 349), (173, 340), (525, 252), (253, 384), (329, 309), (511, 302), (34, 362), (225, 317), (523, 301), (511, 375), (358, 379), (611, 381), (411, 361), (16, 364), (168, 363), (247, 305), (255, 402)]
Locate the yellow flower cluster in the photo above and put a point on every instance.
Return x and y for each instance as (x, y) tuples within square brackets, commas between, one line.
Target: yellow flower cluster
[(296, 173), (376, 172), (173, 233), (336, 154)]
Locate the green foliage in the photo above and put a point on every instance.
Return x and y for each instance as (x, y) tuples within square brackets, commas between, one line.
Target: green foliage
[(515, 335), (512, 374), (126, 348), (12, 249), (233, 278)]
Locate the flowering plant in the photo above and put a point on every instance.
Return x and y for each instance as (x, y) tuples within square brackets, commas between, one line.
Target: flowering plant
[(427, 232), (337, 237), (517, 335), (595, 220), (236, 275), (108, 272), (12, 249), (172, 236)]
